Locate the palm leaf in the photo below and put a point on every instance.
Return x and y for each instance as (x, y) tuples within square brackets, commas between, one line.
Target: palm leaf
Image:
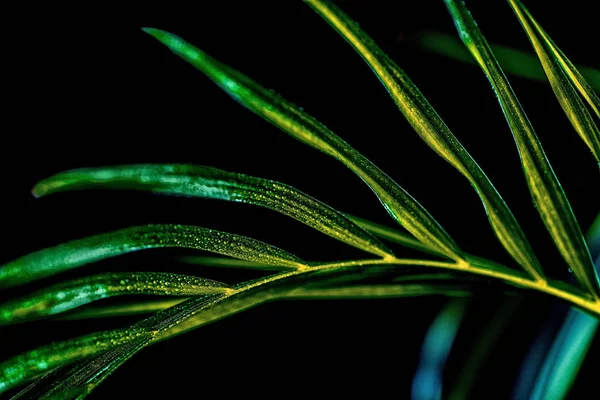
[(562, 80), (79, 381), (68, 295), (432, 129), (294, 121), (73, 254), (188, 315), (212, 183), (36, 362), (89, 374), (550, 200)]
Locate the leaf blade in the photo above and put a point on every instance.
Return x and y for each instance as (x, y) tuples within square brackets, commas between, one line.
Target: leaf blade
[(432, 129), (78, 292), (289, 118), (563, 82), (50, 261), (547, 193), (26, 366), (212, 183)]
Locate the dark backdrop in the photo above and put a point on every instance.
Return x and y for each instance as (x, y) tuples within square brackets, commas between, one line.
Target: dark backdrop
[(86, 87)]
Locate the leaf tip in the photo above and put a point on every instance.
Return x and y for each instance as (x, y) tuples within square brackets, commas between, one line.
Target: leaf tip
[(148, 30), (40, 189)]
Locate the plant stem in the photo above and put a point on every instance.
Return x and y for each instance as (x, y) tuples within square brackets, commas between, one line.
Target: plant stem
[(588, 305), (476, 265)]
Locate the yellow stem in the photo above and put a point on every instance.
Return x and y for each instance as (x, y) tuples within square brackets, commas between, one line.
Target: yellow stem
[(592, 306)]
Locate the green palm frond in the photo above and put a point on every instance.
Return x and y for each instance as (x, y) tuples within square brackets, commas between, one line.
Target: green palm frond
[(73, 368)]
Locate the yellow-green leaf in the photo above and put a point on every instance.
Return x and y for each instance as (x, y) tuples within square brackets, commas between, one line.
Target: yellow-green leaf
[(563, 81), (432, 129), (68, 295), (91, 372), (213, 183), (294, 121), (43, 359), (547, 193), (73, 254)]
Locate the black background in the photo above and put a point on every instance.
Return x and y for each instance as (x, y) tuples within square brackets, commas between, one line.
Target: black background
[(85, 87)]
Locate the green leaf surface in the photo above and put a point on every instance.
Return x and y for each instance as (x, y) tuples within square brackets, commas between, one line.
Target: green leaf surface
[(74, 254), (212, 183), (28, 365), (78, 381), (513, 61), (68, 295), (294, 121), (563, 80), (90, 373), (548, 196), (432, 129)]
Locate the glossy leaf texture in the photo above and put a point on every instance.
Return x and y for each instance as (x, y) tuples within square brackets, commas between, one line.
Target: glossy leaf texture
[(74, 254), (213, 183), (427, 383), (182, 317), (294, 121), (43, 359), (548, 196), (432, 129), (562, 80), (68, 295), (78, 381), (315, 283), (88, 374), (201, 310), (513, 61)]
